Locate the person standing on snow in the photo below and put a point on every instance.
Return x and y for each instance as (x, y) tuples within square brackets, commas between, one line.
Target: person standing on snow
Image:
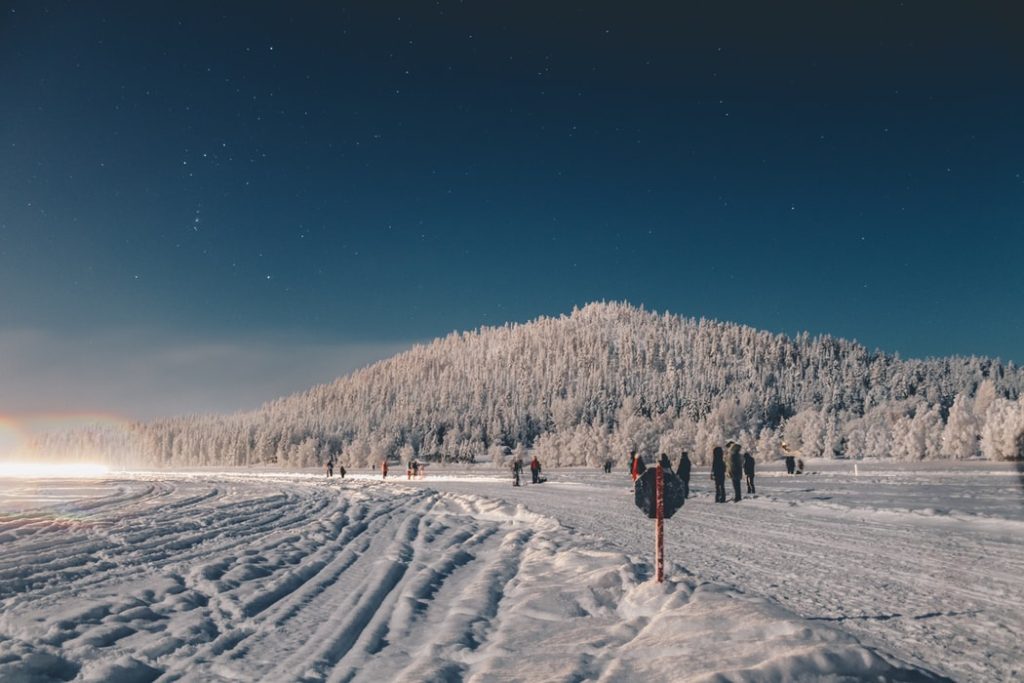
[(330, 467), (718, 473), (790, 464), (637, 468), (683, 471), (735, 467), (748, 470), (517, 467), (535, 470), (799, 466), (384, 469)]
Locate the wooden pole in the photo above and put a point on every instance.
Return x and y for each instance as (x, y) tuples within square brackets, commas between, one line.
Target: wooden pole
[(659, 528)]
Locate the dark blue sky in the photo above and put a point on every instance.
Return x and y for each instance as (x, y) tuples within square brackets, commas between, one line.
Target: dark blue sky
[(349, 179)]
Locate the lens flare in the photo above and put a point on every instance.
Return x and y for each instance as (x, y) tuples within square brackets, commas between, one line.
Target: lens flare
[(12, 438), (51, 469)]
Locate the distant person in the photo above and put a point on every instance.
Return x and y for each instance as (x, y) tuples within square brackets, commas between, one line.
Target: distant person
[(665, 464), (637, 468), (416, 469), (735, 468), (384, 469), (408, 470), (718, 473), (608, 466), (748, 470), (683, 471), (535, 470), (799, 466), (341, 470), (517, 467), (330, 467), (790, 464)]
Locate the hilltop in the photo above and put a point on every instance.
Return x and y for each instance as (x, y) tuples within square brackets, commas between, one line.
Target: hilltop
[(605, 379)]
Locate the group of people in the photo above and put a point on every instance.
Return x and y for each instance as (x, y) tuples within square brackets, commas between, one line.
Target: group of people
[(329, 466), (535, 476), (413, 469), (738, 466)]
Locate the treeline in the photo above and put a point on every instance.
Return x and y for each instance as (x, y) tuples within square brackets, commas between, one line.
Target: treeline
[(596, 384)]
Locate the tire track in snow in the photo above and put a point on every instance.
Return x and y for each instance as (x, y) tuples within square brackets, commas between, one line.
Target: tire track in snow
[(340, 632), (824, 562)]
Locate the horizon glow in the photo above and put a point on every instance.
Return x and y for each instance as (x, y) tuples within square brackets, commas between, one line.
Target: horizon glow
[(15, 469)]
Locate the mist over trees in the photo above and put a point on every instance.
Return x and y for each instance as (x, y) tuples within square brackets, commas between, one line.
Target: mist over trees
[(596, 384)]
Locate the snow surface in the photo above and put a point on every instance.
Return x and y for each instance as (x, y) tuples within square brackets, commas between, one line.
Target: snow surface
[(898, 573)]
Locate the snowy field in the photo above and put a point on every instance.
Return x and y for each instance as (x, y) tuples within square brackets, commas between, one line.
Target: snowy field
[(895, 573)]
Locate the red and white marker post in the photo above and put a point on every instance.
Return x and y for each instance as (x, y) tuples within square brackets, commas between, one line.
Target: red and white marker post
[(659, 495), (659, 527)]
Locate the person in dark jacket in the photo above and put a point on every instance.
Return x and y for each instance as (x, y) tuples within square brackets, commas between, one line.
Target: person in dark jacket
[(683, 471), (718, 473), (748, 471), (664, 462), (341, 470), (330, 467), (735, 467), (790, 464), (799, 466), (608, 466), (517, 467)]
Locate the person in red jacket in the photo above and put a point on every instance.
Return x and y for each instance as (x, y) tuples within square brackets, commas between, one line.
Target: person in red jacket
[(535, 470), (384, 469), (637, 467)]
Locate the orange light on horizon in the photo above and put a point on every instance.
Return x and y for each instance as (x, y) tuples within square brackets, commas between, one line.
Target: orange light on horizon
[(32, 470), (12, 437)]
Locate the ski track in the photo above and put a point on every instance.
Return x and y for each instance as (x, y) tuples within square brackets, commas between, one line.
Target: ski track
[(275, 578), (944, 593), (260, 579)]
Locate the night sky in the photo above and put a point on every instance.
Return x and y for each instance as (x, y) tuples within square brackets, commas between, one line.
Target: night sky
[(206, 205)]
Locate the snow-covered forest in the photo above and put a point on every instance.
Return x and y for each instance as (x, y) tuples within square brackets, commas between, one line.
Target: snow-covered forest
[(595, 384)]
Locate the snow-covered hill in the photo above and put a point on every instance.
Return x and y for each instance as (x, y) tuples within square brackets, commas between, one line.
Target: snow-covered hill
[(247, 576), (598, 383)]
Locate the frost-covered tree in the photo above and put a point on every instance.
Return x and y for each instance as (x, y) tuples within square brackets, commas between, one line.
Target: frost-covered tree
[(960, 435), (985, 396), (307, 454), (680, 437), (805, 432), (1002, 435), (919, 436), (768, 445)]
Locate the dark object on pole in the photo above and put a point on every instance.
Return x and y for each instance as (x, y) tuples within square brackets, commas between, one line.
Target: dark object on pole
[(645, 494)]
